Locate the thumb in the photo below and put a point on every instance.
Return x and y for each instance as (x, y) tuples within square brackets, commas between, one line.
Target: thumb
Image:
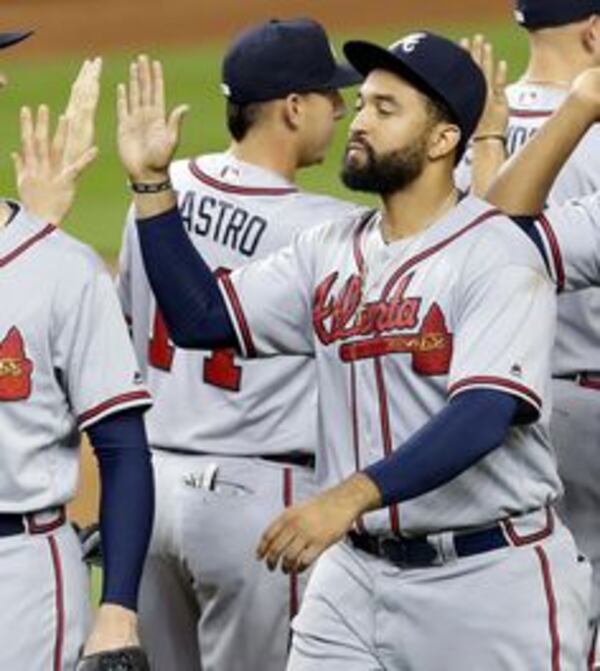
[(78, 166), (176, 119)]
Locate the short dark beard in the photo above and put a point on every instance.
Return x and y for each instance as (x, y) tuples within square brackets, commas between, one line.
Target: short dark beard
[(387, 173)]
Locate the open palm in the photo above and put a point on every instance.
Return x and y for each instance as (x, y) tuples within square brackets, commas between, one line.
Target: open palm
[(146, 136)]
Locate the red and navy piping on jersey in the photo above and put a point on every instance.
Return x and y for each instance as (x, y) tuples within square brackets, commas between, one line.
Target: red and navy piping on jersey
[(242, 190), (26, 244), (528, 226), (548, 234), (530, 113), (112, 405), (414, 260)]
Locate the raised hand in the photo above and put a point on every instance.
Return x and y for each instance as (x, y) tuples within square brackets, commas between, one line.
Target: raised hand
[(494, 119), (147, 137), (46, 175), (47, 168), (81, 110)]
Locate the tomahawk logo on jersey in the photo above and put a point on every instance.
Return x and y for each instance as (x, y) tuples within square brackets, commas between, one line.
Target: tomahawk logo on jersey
[(65, 360), (399, 328), (233, 212), (15, 367)]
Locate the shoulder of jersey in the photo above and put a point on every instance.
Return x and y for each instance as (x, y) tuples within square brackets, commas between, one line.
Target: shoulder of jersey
[(499, 240), (72, 256)]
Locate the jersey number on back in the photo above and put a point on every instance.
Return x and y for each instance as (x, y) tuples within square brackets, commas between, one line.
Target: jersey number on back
[(219, 369)]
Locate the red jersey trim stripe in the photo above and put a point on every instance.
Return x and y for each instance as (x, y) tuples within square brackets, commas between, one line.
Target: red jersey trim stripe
[(59, 604), (359, 524), (386, 434), (234, 188), (407, 265), (113, 404), (492, 381), (530, 114), (551, 600), (288, 500), (552, 240), (238, 312), (24, 246), (356, 243)]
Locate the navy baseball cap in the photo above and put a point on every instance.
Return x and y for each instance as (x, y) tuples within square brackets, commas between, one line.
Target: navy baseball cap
[(546, 13), (274, 59), (8, 39), (437, 67)]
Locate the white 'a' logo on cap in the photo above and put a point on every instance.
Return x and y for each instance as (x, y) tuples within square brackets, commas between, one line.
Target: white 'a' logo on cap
[(409, 43), (225, 90)]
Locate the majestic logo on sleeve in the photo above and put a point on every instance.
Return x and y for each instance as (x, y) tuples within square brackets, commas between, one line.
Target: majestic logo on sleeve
[(387, 326), (15, 368)]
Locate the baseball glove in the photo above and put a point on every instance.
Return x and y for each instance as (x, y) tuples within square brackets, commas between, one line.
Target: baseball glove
[(122, 659)]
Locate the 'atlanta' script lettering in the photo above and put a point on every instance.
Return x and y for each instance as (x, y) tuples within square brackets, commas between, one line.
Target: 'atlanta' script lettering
[(341, 316)]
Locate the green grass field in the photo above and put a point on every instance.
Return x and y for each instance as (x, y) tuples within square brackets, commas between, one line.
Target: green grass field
[(192, 77)]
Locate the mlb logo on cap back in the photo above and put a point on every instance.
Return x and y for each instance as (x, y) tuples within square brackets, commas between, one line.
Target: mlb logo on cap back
[(536, 14)]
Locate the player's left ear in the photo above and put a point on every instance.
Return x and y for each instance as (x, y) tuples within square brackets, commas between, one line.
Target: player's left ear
[(590, 35), (443, 140), (293, 111)]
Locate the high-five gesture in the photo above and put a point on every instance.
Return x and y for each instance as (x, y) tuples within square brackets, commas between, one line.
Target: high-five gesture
[(81, 109), (147, 137), (488, 144), (494, 118), (47, 166)]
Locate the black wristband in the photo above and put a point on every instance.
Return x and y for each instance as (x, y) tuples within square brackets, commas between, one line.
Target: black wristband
[(150, 187)]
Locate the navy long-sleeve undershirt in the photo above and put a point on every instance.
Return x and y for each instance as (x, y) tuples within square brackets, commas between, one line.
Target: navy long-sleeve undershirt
[(126, 504), (473, 424), (185, 288), (194, 310)]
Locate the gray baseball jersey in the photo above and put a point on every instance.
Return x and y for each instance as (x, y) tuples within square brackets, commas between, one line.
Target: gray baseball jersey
[(234, 213), (399, 328), (65, 362), (577, 346), (214, 416)]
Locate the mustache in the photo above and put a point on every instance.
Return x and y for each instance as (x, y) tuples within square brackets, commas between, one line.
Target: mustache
[(358, 139)]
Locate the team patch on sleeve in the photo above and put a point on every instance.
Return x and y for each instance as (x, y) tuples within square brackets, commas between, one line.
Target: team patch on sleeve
[(15, 368)]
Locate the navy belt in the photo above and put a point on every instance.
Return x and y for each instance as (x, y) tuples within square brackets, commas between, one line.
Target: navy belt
[(11, 525), (41, 522), (420, 553), (304, 459), (589, 380)]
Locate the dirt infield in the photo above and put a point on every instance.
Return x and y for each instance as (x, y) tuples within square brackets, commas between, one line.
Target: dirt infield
[(92, 25)]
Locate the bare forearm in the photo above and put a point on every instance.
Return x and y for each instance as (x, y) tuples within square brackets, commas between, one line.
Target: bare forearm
[(524, 182), (489, 155)]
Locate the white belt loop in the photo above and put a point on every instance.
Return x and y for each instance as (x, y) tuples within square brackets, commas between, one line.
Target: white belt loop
[(445, 546)]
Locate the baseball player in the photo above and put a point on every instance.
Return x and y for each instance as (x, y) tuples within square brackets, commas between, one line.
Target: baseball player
[(432, 410), (234, 441), (66, 366), (564, 38)]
